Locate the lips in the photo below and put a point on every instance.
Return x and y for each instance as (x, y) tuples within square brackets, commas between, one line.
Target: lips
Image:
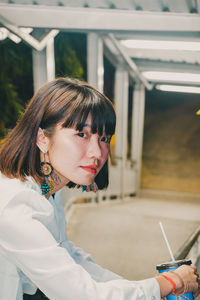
[(90, 169)]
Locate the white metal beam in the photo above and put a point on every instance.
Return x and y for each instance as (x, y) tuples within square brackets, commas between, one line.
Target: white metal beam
[(190, 36), (43, 65), (50, 60), (95, 68), (137, 129), (164, 55), (109, 55), (132, 66), (43, 62), (155, 65), (98, 19), (30, 40), (198, 5), (39, 68), (121, 104)]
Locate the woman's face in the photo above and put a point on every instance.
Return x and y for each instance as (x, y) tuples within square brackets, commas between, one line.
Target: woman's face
[(78, 156)]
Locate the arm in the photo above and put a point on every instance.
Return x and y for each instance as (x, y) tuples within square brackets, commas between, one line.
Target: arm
[(82, 258), (100, 274), (185, 279), (79, 255), (28, 243)]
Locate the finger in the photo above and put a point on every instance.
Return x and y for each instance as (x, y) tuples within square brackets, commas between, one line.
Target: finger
[(196, 294), (197, 280), (194, 268)]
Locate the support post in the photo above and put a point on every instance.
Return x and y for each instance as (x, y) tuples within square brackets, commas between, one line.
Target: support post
[(121, 102), (95, 68), (50, 58), (43, 65), (39, 68), (137, 129)]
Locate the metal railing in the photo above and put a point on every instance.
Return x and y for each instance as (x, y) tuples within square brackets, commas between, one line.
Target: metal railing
[(191, 247)]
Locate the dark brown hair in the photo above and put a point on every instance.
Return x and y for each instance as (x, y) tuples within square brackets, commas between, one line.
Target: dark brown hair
[(62, 100)]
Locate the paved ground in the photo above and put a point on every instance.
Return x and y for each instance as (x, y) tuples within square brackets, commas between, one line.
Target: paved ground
[(125, 237)]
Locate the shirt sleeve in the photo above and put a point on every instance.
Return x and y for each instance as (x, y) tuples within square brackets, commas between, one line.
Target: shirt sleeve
[(84, 259), (78, 254), (27, 242)]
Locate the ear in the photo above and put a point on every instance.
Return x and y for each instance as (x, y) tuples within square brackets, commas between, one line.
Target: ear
[(42, 141)]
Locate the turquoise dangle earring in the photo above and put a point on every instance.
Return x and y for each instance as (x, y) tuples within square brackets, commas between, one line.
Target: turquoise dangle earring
[(90, 188), (46, 169), (51, 179)]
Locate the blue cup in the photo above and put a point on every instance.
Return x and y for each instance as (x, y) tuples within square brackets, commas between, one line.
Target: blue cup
[(171, 266)]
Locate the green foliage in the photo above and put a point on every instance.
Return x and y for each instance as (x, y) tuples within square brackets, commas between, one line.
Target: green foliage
[(16, 75), (11, 105), (15, 82), (70, 55)]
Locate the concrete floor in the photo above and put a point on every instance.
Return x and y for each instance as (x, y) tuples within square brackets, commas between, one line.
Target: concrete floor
[(125, 237)]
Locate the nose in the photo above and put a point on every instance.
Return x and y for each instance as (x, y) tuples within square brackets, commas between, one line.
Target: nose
[(94, 148)]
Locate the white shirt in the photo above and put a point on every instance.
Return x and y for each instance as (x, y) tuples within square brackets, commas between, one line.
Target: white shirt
[(35, 253)]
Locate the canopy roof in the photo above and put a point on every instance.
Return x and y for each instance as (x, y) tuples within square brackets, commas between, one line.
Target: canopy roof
[(149, 20)]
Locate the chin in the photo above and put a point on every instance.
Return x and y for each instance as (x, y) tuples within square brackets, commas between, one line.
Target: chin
[(84, 182)]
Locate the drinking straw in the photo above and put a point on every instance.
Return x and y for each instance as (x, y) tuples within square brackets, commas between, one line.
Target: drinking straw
[(166, 241)]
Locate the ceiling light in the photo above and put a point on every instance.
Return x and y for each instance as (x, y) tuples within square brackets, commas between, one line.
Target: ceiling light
[(161, 45), (172, 76), (179, 88)]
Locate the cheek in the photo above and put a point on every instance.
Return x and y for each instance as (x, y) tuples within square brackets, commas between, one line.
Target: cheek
[(65, 153), (105, 152), (62, 147)]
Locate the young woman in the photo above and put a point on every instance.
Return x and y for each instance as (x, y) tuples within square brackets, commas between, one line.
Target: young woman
[(61, 139)]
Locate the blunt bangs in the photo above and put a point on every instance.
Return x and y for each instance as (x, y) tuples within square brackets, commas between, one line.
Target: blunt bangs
[(91, 102)]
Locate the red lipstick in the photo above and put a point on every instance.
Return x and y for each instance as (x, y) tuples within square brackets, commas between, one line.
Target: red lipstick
[(90, 168)]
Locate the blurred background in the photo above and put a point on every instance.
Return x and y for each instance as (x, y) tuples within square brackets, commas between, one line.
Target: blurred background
[(144, 55)]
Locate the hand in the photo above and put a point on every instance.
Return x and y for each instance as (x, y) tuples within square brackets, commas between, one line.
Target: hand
[(185, 278), (188, 280)]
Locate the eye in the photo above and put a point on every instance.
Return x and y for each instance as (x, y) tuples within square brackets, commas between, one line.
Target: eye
[(105, 139), (82, 134)]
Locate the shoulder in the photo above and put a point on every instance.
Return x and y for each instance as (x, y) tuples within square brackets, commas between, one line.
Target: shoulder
[(11, 186), (15, 192)]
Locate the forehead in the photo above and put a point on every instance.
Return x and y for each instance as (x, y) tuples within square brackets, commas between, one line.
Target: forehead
[(88, 122), (89, 126), (100, 120)]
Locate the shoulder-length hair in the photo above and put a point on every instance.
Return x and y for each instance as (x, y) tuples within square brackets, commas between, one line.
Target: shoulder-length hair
[(66, 101)]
